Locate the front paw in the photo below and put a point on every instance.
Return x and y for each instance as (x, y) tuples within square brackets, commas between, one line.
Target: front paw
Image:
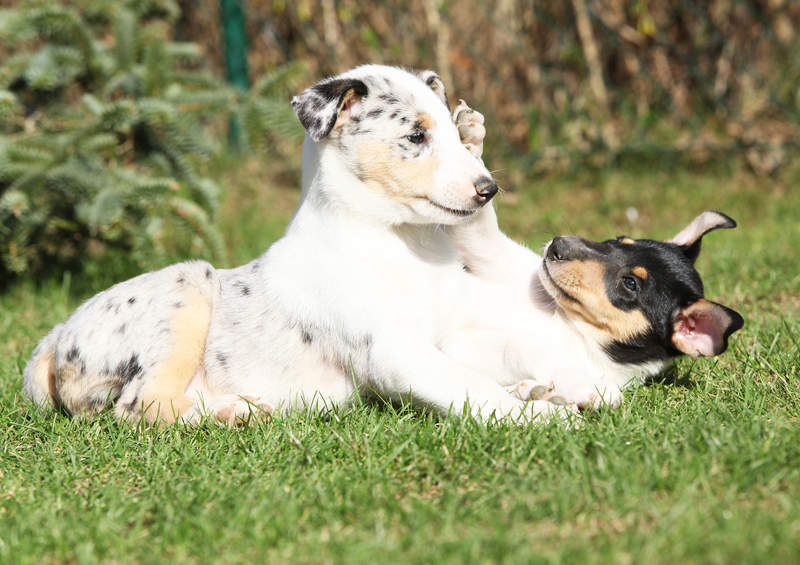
[(584, 396), (530, 389), (470, 127)]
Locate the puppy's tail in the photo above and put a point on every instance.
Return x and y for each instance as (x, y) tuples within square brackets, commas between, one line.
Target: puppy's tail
[(38, 379)]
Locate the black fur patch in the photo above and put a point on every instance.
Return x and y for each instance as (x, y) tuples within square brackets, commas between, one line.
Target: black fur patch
[(389, 99), (73, 354), (128, 370), (131, 300), (318, 107), (222, 359), (243, 288)]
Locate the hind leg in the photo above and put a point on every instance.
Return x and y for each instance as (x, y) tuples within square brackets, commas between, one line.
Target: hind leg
[(161, 396)]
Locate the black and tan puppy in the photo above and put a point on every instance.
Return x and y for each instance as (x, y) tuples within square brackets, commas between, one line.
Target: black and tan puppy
[(588, 318)]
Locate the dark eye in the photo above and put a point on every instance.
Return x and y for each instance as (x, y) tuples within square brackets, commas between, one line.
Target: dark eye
[(417, 137), (630, 283)]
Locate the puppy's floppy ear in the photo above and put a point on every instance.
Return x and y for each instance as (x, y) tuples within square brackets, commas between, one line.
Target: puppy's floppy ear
[(691, 236), (435, 83), (321, 106), (702, 329)]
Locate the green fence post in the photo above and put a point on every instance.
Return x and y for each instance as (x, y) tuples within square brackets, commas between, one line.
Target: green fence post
[(235, 40)]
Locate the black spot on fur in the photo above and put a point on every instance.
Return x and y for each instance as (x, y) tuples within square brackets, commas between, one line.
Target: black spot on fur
[(121, 329), (389, 98), (375, 113), (109, 305), (128, 370), (222, 359), (244, 290), (181, 279), (73, 354), (306, 336), (255, 266), (403, 120), (393, 115), (131, 300), (178, 304), (208, 273)]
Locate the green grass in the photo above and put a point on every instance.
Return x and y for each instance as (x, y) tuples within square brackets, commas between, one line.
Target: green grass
[(703, 467)]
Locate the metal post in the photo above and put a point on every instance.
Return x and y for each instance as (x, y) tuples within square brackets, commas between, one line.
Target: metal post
[(235, 40)]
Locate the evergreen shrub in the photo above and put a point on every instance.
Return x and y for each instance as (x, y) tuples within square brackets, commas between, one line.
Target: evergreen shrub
[(105, 123)]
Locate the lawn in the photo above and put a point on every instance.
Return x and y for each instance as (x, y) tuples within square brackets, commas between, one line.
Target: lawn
[(702, 466)]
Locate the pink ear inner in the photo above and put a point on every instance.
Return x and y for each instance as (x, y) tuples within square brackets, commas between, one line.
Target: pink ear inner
[(701, 328), (349, 108)]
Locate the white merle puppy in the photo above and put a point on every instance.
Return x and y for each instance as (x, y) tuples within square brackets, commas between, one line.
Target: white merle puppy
[(355, 298)]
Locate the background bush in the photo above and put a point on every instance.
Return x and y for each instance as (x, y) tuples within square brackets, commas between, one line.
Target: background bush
[(111, 112), (566, 83), (105, 125)]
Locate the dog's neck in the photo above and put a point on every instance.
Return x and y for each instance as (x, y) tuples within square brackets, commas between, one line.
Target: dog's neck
[(592, 340)]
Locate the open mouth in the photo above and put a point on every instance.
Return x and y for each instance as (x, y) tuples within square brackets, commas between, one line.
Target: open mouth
[(453, 211)]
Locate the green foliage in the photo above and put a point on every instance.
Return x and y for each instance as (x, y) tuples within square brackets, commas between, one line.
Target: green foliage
[(104, 125)]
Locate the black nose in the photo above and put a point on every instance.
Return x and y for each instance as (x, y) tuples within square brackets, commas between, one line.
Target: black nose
[(485, 188), (558, 249)]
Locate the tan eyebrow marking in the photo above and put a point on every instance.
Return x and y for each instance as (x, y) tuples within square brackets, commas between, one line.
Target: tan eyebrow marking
[(626, 241), (640, 272), (586, 298), (426, 121)]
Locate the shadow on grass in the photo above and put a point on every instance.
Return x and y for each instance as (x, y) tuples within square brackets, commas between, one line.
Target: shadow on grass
[(673, 376)]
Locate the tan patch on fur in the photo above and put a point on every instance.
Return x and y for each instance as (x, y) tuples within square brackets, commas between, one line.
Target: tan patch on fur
[(44, 373), (163, 397), (426, 121), (627, 241), (640, 272), (584, 296), (385, 172)]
